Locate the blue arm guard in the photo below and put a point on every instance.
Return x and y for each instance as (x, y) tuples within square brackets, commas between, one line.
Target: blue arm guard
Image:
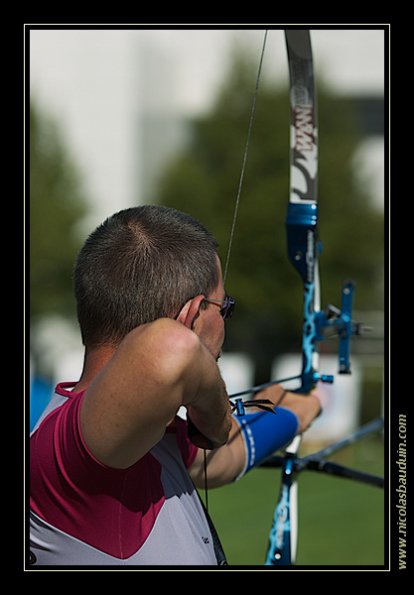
[(264, 433)]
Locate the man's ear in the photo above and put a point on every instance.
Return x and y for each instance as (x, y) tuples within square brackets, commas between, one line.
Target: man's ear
[(189, 311)]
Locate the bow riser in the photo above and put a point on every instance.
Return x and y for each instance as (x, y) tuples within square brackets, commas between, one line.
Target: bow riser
[(301, 228)]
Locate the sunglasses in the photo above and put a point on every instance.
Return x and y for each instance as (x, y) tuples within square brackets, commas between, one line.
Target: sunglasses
[(226, 306)]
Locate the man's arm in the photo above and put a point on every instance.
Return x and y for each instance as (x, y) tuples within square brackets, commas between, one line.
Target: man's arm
[(224, 464), (156, 369)]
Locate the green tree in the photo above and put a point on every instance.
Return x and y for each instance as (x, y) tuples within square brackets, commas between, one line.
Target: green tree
[(203, 181), (56, 204)]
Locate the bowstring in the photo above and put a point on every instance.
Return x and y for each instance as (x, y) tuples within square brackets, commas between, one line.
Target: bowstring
[(245, 153), (236, 208), (205, 480)]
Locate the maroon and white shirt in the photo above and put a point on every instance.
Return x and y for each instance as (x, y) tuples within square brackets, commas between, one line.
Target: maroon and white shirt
[(83, 512)]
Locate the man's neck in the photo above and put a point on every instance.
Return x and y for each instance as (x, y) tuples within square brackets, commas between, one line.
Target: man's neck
[(95, 360)]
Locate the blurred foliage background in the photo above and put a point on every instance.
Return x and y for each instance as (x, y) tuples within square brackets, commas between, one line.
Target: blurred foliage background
[(202, 180), (57, 205)]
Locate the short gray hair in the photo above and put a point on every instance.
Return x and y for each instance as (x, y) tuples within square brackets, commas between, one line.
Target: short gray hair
[(141, 264)]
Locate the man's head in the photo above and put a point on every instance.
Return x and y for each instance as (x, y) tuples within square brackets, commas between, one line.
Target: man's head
[(142, 264)]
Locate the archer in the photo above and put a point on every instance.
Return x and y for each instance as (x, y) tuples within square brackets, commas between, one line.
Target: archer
[(113, 467)]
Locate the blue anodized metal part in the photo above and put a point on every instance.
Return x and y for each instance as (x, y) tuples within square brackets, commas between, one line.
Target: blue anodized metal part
[(341, 321), (301, 221), (348, 328)]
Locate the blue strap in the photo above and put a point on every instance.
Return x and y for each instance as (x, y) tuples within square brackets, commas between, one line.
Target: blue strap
[(263, 434)]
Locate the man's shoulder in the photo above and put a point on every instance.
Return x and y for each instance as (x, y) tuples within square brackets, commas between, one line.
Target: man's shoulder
[(164, 338)]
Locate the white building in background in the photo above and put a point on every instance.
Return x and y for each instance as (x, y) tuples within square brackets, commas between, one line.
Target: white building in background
[(87, 83), (120, 98), (160, 127)]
